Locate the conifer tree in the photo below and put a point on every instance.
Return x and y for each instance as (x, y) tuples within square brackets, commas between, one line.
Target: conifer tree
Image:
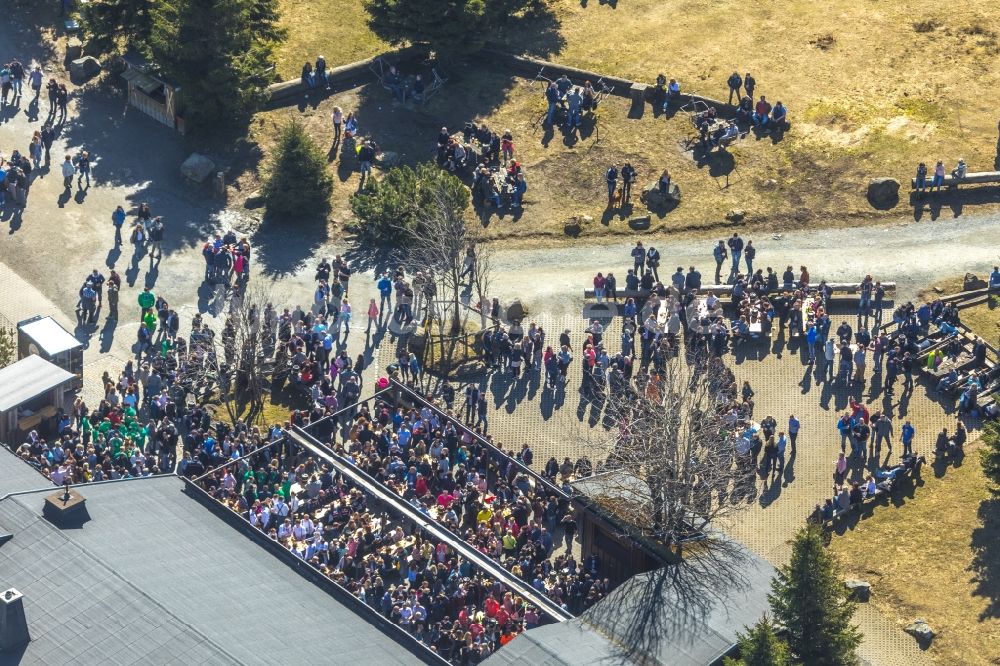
[(220, 52), (811, 603), (299, 186), (990, 457), (760, 646)]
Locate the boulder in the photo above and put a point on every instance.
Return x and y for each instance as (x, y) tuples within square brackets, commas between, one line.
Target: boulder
[(83, 69), (387, 159), (858, 589), (883, 192), (516, 311), (640, 223), (651, 195), (736, 215), (197, 167), (74, 48), (972, 281), (255, 200), (572, 227), (920, 630)]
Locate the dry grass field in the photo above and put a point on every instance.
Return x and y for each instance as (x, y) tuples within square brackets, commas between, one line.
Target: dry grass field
[(872, 89)]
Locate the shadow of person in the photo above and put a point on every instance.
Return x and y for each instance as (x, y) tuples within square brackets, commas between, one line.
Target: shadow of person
[(113, 255), (80, 196), (108, 334), (64, 198)]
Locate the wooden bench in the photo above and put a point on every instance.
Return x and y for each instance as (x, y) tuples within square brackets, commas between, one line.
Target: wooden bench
[(837, 287), (971, 178)]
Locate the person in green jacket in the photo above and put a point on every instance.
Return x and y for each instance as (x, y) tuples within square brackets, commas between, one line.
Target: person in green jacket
[(146, 299)]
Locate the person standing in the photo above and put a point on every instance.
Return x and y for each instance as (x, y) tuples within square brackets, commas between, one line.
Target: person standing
[(811, 336), (628, 178), (83, 169), (156, 238), (611, 177), (883, 431), (653, 262), (114, 286), (373, 315), (366, 156), (35, 78), (749, 252), (721, 254), (734, 82), (906, 436), (338, 123), (782, 445), (793, 430), (48, 136), (638, 257), (735, 251), (749, 84), (68, 171)]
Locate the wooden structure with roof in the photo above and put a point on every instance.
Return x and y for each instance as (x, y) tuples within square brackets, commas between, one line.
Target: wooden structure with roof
[(151, 94)]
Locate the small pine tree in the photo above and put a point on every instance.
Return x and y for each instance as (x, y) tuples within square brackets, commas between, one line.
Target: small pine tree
[(810, 602), (760, 646), (8, 346), (390, 209), (990, 458), (299, 186)]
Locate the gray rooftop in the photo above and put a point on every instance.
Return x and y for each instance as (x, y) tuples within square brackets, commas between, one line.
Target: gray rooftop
[(27, 379), (16, 475), (155, 578), (683, 615), (49, 335)]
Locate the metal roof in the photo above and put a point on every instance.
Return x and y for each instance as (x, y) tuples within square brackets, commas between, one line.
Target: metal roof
[(681, 615), (49, 335), (17, 475), (27, 379), (154, 578)]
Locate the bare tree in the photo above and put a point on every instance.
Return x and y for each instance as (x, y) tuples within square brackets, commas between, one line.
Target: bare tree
[(671, 465), (451, 267), (235, 365)]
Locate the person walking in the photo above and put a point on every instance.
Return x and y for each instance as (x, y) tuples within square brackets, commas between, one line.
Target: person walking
[(35, 78), (48, 136), (793, 430), (721, 254), (118, 219)]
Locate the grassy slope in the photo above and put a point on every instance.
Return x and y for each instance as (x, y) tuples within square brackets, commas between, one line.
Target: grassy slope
[(939, 556)]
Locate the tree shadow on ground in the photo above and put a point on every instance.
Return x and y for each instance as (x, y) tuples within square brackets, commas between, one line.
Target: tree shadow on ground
[(112, 132), (986, 559), (535, 33), (282, 247)]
